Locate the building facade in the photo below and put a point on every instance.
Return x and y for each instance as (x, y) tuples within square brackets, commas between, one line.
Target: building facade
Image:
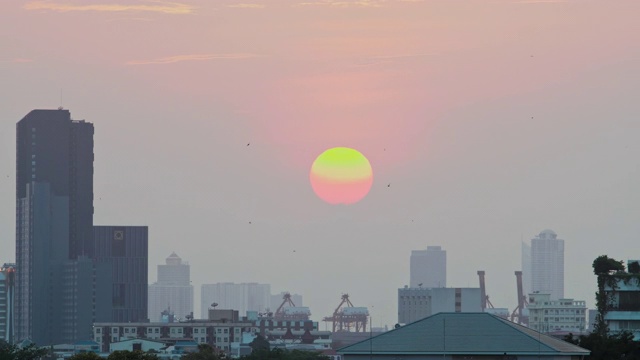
[(419, 302), (556, 316), (54, 218), (243, 297), (428, 268), (173, 290), (7, 290), (124, 250), (624, 312)]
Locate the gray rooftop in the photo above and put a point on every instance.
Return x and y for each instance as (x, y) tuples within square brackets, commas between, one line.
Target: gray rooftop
[(463, 333)]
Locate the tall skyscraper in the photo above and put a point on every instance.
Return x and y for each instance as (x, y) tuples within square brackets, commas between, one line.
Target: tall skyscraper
[(173, 290), (547, 264), (125, 249), (54, 217), (428, 267), (242, 297), (7, 281)]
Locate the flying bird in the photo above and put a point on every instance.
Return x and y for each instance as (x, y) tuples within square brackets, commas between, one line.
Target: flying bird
[(248, 144), (389, 185)]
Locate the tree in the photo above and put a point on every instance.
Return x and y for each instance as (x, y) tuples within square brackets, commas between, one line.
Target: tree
[(86, 356), (13, 352), (131, 355), (634, 267), (282, 354), (205, 352), (259, 343), (604, 267)]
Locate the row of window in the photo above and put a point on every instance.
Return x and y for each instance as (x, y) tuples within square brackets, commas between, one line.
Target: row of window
[(174, 330)]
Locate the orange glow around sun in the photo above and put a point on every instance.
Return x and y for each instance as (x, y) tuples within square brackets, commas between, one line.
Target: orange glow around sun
[(341, 176)]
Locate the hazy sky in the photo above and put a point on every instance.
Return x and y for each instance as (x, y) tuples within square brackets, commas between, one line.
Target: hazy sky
[(492, 120)]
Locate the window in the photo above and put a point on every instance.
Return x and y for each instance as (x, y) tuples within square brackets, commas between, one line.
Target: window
[(126, 330), (226, 331), (157, 330), (195, 331), (98, 331), (114, 330), (226, 339)]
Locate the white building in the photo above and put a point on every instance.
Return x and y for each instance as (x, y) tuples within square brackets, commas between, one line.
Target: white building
[(555, 316), (543, 265), (428, 268), (242, 297), (415, 303), (172, 291)]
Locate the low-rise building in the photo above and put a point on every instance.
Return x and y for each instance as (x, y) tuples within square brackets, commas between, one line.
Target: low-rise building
[(556, 316), (624, 312)]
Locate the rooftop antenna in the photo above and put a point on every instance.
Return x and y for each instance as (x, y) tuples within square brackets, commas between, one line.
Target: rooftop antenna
[(60, 107)]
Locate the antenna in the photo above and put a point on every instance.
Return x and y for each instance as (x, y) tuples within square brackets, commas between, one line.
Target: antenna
[(60, 107)]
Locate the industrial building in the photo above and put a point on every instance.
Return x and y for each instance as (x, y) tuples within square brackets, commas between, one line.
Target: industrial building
[(557, 317), (454, 336), (172, 291), (417, 303), (428, 268)]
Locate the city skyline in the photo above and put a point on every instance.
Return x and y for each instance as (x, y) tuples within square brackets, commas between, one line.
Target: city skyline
[(483, 122)]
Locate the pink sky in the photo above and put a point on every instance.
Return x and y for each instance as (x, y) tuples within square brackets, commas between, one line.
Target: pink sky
[(491, 119)]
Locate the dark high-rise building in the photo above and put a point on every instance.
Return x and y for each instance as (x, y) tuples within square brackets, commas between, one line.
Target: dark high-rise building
[(125, 248), (54, 219)]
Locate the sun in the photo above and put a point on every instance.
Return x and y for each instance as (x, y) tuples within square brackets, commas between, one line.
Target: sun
[(341, 175)]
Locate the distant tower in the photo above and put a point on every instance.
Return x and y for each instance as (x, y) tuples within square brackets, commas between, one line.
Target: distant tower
[(173, 290), (547, 264), (428, 268)]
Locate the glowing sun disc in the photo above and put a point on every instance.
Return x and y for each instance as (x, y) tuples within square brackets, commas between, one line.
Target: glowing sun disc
[(341, 176)]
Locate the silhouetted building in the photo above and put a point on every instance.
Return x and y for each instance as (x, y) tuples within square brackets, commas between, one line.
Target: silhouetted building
[(125, 249), (54, 220), (173, 290), (428, 267), (7, 281)]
